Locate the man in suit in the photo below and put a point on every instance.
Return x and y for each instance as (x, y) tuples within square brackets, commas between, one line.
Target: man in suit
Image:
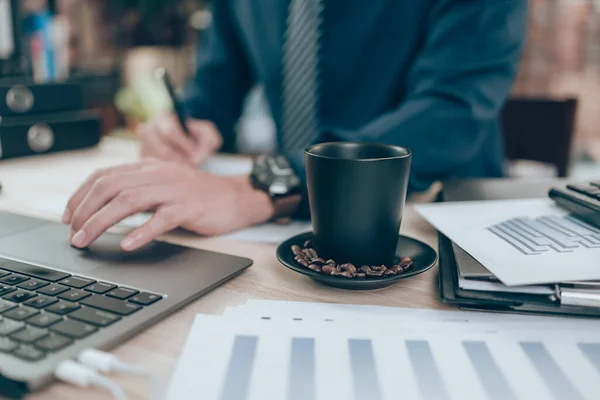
[(430, 75)]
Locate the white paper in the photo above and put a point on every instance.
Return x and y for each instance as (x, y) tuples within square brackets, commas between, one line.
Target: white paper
[(264, 233), (270, 233), (522, 242), (225, 359), (292, 310), (228, 166), (55, 206), (471, 284), (223, 166)]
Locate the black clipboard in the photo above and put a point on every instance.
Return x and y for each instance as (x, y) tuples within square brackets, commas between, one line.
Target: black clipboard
[(451, 293)]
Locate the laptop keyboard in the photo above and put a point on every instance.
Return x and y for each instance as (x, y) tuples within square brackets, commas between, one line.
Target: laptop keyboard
[(43, 310)]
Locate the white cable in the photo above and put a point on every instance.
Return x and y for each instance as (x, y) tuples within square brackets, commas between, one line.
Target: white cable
[(98, 360), (105, 383), (107, 363), (84, 376)]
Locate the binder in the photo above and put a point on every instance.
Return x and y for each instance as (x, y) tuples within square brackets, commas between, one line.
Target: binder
[(580, 299), (22, 97), (48, 133)]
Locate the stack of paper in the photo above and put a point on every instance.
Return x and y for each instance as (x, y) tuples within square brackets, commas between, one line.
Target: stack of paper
[(522, 242), (280, 350)]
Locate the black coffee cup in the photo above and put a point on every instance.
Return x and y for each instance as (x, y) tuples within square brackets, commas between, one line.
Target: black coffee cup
[(357, 193)]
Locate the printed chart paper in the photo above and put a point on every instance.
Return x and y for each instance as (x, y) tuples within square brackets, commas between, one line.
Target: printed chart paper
[(226, 360), (405, 318), (522, 242)]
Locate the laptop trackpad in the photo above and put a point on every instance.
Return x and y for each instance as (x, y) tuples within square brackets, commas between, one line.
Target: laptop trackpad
[(48, 246)]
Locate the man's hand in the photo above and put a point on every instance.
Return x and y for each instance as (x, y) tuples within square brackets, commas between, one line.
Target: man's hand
[(163, 138), (178, 195)]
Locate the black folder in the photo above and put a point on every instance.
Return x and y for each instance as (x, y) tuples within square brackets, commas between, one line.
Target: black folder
[(451, 293), (48, 133)]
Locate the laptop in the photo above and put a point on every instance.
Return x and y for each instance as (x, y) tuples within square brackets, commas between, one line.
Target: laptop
[(56, 300)]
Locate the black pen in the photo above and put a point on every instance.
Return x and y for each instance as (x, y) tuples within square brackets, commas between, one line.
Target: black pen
[(161, 74)]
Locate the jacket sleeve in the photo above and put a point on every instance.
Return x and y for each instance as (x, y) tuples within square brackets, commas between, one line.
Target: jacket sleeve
[(223, 76), (456, 88)]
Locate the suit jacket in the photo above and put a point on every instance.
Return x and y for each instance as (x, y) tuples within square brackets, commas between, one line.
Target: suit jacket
[(430, 75)]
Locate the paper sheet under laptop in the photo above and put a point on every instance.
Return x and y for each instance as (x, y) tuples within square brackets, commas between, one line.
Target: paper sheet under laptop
[(223, 166), (522, 242), (264, 233)]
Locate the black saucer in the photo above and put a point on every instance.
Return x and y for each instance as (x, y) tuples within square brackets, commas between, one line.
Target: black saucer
[(423, 256)]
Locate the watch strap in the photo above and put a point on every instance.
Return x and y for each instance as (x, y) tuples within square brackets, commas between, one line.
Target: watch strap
[(286, 206)]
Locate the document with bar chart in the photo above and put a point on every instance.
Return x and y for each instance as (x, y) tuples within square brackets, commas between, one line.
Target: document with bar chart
[(522, 242), (226, 360)]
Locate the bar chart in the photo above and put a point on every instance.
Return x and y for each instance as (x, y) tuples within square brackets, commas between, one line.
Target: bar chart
[(334, 364), (533, 236)]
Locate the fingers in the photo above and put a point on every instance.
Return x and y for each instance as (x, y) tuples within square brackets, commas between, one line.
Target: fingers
[(207, 137), (168, 129), (83, 190), (165, 219), (153, 145), (106, 188), (127, 203)]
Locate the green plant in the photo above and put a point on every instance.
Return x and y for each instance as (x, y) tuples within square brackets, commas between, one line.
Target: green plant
[(143, 99)]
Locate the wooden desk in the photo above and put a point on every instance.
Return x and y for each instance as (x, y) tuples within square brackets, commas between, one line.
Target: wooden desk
[(32, 185)]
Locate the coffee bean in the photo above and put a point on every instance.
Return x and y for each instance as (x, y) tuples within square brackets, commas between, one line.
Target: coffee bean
[(328, 269), (308, 257), (303, 262), (314, 267), (348, 267), (396, 268), (406, 264)]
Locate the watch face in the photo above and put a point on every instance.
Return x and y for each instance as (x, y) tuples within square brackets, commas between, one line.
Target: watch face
[(275, 176)]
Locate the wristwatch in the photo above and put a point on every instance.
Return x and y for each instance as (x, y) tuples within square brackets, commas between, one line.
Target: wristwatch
[(275, 176)]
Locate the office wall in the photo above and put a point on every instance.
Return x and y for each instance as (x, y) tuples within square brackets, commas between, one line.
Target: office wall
[(562, 59)]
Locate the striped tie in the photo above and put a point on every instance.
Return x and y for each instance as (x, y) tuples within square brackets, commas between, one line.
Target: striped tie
[(301, 74)]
